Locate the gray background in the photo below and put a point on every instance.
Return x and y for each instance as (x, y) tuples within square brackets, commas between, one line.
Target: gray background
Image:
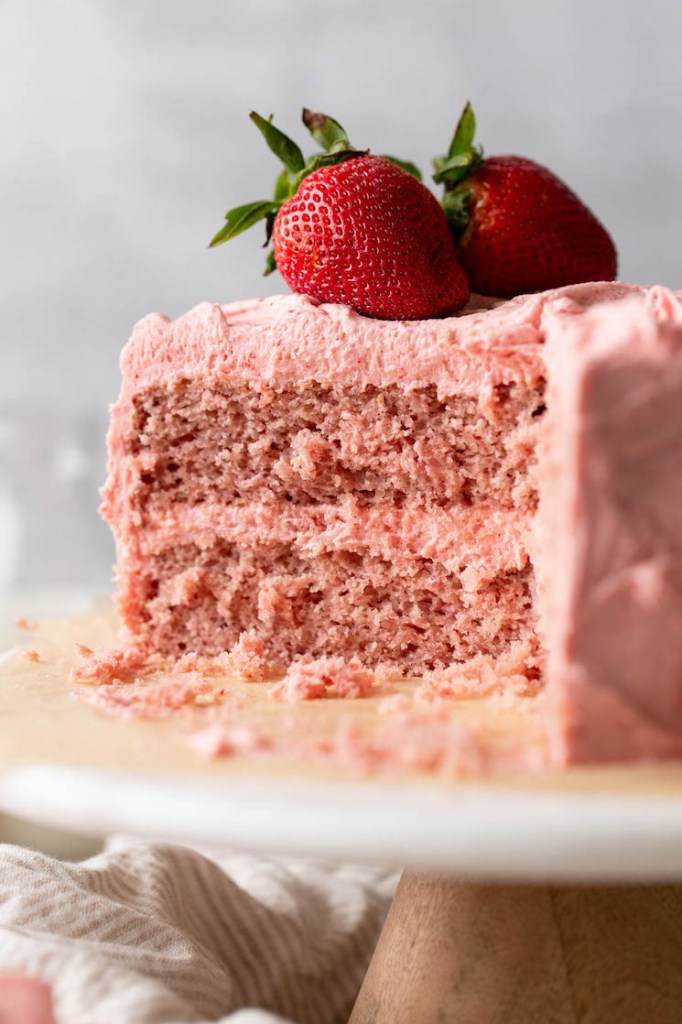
[(125, 139)]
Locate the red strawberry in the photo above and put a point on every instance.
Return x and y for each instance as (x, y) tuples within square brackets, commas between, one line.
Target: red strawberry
[(518, 227), (368, 234), (354, 228)]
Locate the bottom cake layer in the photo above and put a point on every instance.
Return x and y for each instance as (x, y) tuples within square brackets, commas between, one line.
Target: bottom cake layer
[(412, 613)]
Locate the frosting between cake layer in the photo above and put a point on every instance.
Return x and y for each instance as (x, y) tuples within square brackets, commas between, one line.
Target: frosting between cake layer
[(480, 541)]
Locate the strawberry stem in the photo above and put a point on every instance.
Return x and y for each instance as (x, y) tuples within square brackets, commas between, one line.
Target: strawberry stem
[(463, 157), (456, 209)]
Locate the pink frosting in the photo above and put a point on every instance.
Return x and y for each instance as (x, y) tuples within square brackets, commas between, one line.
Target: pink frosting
[(486, 540), (611, 556), (291, 338)]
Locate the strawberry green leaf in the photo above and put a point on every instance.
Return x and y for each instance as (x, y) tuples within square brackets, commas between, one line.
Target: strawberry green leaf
[(283, 186), (453, 169), (406, 165), (327, 132), (463, 156), (270, 264), (280, 144), (456, 209), (463, 139), (243, 217)]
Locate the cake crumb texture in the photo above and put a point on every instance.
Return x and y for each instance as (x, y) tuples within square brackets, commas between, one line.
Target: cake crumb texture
[(308, 679)]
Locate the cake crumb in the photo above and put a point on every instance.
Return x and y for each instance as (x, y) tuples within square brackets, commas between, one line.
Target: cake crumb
[(396, 702), (515, 672), (28, 625), (208, 698), (111, 665), (228, 741), (246, 660), (156, 700), (428, 742), (308, 679), (385, 672)]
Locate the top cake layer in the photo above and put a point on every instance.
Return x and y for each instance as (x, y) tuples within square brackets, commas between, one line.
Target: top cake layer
[(290, 341)]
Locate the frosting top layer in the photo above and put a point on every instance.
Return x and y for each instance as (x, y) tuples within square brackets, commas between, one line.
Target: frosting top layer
[(292, 338)]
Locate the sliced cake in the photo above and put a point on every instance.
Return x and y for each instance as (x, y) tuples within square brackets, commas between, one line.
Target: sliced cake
[(332, 484), (416, 494)]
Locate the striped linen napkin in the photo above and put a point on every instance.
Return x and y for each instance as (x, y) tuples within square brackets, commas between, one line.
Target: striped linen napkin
[(160, 934)]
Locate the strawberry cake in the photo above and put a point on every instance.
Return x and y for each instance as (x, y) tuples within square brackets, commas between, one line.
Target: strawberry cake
[(383, 473), (503, 482)]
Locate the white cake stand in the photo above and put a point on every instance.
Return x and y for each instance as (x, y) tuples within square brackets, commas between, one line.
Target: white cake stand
[(553, 900), (515, 906)]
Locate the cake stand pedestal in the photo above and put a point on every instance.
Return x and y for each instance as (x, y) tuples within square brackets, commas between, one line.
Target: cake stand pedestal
[(472, 954)]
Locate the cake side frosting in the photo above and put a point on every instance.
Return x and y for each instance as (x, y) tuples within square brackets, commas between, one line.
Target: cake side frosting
[(611, 563)]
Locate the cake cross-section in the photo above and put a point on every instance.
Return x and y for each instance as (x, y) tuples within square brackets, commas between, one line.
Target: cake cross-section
[(403, 493), (332, 484)]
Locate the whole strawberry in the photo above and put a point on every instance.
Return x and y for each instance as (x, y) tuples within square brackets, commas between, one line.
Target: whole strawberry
[(518, 227), (354, 228)]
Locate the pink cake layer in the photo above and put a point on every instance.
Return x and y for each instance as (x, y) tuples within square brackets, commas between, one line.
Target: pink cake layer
[(400, 585), (290, 340), (411, 614), (210, 440)]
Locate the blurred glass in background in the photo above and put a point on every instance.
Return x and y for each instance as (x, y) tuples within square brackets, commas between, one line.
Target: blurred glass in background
[(51, 466)]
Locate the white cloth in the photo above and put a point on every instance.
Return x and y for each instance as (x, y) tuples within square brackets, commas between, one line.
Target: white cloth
[(161, 934)]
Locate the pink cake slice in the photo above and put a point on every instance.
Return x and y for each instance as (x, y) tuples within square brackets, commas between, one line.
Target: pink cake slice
[(404, 493)]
